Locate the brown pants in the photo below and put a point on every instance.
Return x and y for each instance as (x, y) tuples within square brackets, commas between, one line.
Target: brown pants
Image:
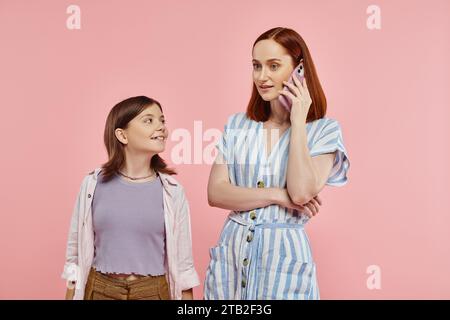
[(100, 286)]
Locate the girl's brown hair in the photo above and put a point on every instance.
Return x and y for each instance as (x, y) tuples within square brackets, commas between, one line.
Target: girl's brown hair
[(258, 109), (119, 117)]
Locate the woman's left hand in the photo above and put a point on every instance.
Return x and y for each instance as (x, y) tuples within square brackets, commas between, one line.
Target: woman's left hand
[(301, 100)]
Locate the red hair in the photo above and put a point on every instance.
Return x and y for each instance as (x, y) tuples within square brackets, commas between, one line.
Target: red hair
[(258, 109)]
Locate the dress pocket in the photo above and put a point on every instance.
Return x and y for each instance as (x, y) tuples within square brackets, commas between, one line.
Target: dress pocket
[(216, 253), (287, 278), (218, 284)]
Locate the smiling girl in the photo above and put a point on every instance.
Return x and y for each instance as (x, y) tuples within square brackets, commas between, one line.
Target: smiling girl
[(271, 166), (130, 233)]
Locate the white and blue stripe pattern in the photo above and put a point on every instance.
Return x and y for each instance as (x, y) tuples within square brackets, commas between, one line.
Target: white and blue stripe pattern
[(268, 257)]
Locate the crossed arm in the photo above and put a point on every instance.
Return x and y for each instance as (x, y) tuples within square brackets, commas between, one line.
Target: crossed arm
[(306, 175), (223, 194)]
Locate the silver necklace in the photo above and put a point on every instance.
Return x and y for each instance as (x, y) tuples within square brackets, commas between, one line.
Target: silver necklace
[(138, 178)]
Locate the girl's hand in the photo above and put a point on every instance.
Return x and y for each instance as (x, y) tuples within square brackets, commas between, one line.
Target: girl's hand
[(310, 209), (301, 100), (187, 294), (70, 293)]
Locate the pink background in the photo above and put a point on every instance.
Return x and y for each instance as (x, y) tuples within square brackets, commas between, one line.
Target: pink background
[(388, 88)]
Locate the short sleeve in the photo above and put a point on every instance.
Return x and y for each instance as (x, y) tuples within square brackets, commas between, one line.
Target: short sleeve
[(226, 139), (222, 144), (328, 140)]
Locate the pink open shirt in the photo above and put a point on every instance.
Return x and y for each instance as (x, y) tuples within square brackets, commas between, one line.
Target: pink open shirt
[(180, 272)]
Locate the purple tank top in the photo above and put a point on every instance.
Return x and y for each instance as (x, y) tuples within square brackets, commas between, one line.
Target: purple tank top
[(128, 220)]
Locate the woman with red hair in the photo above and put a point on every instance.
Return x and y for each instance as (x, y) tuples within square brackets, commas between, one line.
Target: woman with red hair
[(271, 182)]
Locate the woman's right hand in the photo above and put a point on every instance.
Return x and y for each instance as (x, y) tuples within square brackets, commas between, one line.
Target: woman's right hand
[(310, 209), (70, 293)]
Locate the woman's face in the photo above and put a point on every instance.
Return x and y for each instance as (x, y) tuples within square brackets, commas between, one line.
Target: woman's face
[(271, 66), (147, 131)]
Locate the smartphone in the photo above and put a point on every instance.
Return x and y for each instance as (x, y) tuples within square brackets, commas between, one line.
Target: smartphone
[(298, 72)]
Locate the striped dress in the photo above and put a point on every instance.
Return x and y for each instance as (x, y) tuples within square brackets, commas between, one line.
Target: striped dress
[(265, 253)]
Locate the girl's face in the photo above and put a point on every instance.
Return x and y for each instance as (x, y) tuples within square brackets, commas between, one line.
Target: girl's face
[(147, 131), (271, 66)]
